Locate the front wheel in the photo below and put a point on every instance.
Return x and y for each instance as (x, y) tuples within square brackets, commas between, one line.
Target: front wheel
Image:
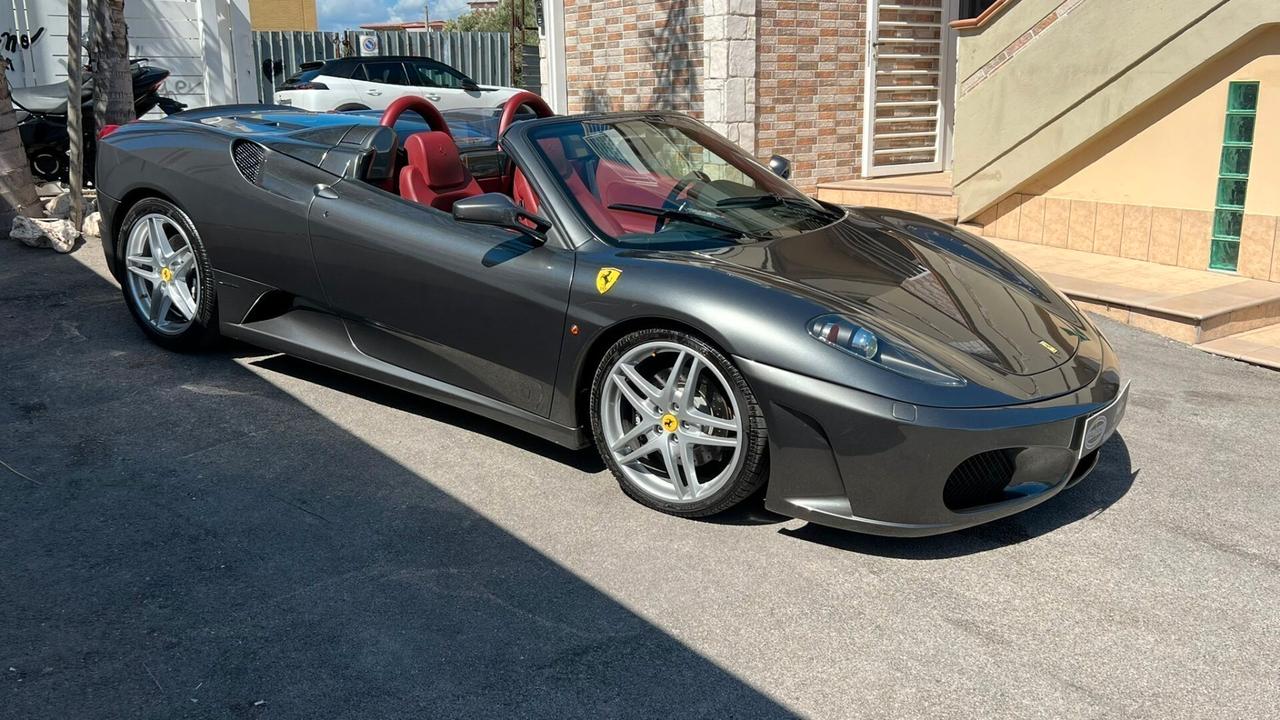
[(677, 424), (168, 282)]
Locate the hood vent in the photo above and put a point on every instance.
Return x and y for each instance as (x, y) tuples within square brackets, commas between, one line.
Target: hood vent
[(248, 157)]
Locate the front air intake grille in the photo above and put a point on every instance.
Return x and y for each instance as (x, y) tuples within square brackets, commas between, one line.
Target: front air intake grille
[(248, 157), (980, 480)]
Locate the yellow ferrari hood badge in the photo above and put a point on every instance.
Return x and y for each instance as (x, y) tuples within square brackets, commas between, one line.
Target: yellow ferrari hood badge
[(606, 278)]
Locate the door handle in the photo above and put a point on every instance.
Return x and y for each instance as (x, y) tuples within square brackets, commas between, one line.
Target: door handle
[(374, 92), (433, 98), (324, 191)]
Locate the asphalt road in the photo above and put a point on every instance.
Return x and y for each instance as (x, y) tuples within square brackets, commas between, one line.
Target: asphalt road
[(239, 535)]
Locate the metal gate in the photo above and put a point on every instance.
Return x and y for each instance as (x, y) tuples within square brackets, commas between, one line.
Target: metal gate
[(909, 86), (483, 56)]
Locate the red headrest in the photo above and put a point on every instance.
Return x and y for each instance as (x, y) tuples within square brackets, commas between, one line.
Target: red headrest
[(436, 157)]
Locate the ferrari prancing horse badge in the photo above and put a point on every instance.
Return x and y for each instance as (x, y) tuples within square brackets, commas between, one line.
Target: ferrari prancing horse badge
[(606, 278)]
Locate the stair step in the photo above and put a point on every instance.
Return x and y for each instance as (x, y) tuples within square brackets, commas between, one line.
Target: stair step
[(891, 185), (1260, 346), (1192, 306), (940, 207)]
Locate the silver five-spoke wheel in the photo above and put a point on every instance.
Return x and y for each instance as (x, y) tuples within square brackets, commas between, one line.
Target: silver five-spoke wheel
[(671, 422), (164, 277)]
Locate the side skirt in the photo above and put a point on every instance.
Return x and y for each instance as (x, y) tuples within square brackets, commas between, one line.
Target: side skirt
[(321, 338)]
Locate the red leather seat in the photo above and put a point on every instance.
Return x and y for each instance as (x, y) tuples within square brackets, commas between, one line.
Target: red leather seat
[(619, 183), (435, 175), (523, 193), (599, 214)]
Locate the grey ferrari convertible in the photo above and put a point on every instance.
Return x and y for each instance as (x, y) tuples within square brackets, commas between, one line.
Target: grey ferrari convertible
[(632, 280)]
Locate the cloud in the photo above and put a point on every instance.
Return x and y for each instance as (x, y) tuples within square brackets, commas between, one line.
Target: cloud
[(351, 14)]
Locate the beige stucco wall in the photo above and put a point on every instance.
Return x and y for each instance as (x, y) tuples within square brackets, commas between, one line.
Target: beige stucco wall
[(1086, 73), (978, 45), (1166, 154)]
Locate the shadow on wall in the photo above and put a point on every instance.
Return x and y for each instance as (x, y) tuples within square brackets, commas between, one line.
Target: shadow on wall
[(671, 52), (193, 539), (669, 58)]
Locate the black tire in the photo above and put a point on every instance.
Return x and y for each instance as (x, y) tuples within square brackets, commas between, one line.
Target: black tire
[(752, 466), (203, 331)]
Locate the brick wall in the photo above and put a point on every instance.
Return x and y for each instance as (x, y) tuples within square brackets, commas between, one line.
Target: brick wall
[(634, 55), (282, 14), (810, 86)]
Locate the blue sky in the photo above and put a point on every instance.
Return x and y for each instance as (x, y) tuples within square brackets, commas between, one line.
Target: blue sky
[(349, 14)]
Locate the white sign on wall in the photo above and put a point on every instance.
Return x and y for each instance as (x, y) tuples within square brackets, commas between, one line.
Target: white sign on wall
[(369, 45), (206, 45)]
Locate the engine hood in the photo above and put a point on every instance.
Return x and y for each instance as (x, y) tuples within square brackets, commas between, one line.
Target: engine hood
[(952, 296)]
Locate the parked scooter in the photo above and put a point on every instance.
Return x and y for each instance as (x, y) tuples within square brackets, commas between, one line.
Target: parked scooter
[(42, 119)]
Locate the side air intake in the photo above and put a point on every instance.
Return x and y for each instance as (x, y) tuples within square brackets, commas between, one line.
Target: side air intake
[(980, 480), (248, 157)]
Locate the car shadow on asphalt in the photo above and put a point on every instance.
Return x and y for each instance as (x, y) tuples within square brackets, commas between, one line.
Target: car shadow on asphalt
[(183, 537), (586, 460), (1108, 482)]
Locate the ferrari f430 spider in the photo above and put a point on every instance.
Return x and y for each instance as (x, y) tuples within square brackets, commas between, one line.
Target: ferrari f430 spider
[(629, 280)]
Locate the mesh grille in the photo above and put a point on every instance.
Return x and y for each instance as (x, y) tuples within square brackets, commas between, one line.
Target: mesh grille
[(248, 157), (979, 480)]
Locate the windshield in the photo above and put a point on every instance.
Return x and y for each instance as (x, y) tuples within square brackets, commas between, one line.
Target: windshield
[(670, 183)]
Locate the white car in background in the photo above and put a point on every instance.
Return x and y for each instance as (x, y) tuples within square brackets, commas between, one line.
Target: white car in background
[(371, 83)]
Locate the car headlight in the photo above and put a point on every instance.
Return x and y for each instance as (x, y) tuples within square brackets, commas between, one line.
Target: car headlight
[(848, 336)]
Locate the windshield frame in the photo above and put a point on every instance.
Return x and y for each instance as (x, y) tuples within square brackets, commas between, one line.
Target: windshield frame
[(767, 182)]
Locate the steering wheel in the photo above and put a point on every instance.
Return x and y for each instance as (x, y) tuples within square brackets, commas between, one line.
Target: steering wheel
[(515, 102), (419, 105), (683, 184)]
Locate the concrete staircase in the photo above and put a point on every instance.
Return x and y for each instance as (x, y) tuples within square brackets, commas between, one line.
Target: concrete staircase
[(928, 194), (1216, 312)]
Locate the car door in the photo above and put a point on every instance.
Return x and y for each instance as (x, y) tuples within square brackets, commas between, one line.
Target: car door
[(442, 85), (477, 307), (378, 82)]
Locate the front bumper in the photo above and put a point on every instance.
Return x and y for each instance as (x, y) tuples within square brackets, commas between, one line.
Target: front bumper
[(857, 461)]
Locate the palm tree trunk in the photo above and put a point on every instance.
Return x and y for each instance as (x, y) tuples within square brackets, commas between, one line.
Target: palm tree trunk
[(112, 80), (17, 189), (75, 112)]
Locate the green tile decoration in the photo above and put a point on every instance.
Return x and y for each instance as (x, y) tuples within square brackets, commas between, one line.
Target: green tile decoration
[(1233, 175), (1243, 96), (1235, 161), (1231, 192), (1239, 130), (1224, 254), (1227, 222)]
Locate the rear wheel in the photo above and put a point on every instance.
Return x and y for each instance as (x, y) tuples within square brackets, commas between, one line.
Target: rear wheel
[(677, 424), (168, 282)]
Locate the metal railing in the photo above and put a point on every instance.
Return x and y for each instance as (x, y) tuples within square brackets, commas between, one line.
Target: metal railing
[(483, 56)]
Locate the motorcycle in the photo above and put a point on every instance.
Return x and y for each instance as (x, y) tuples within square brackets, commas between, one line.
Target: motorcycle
[(42, 119)]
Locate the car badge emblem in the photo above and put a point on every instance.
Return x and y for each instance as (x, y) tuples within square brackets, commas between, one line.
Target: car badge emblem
[(606, 278), (670, 423), (166, 274), (1049, 347)]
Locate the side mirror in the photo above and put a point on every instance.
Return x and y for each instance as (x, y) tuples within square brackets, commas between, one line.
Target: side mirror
[(498, 210), (780, 166), (470, 86)]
